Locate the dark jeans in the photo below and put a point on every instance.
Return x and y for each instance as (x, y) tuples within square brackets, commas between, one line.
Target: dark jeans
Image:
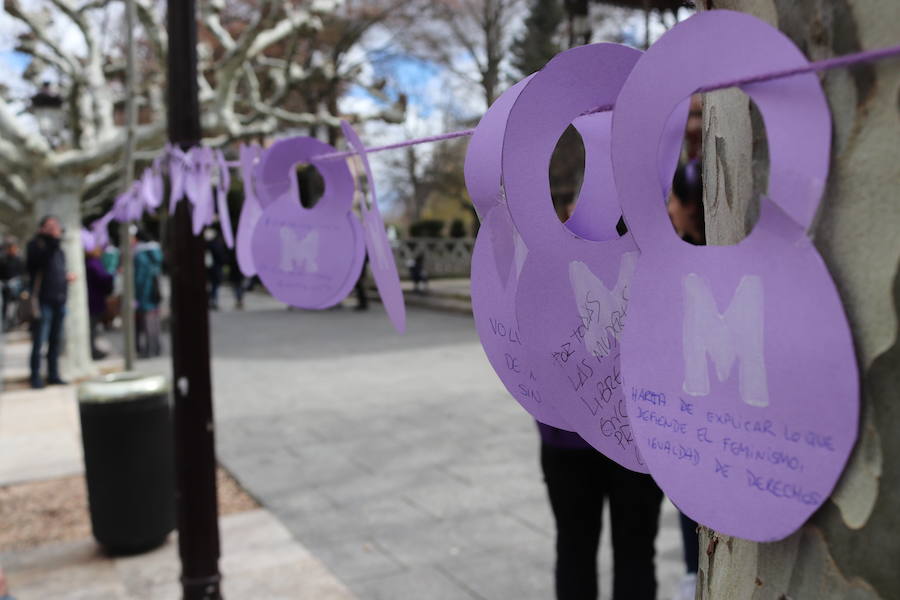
[(47, 330), (95, 323), (578, 481)]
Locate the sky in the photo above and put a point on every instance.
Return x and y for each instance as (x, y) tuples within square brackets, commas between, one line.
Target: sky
[(436, 97), (430, 89)]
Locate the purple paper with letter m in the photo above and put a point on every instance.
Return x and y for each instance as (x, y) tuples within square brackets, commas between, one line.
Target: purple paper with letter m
[(738, 364)]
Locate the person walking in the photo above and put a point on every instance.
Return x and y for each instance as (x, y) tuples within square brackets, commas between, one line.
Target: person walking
[(362, 298), (238, 282), (216, 258), (148, 261), (99, 286), (49, 285), (12, 268), (579, 480)]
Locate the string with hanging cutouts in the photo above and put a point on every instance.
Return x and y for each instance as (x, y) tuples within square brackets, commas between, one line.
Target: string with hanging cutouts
[(813, 67)]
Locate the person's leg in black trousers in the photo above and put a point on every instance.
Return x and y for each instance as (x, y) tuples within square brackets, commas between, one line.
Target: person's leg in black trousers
[(691, 543), (40, 331), (575, 484), (634, 505)]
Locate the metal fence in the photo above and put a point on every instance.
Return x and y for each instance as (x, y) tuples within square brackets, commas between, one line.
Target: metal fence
[(443, 257)]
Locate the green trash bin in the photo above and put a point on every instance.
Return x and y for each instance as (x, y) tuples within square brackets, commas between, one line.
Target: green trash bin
[(126, 432)]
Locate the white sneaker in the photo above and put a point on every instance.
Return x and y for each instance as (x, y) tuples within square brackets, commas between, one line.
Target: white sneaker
[(687, 587)]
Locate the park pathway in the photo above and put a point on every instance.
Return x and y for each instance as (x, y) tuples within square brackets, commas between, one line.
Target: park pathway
[(399, 461)]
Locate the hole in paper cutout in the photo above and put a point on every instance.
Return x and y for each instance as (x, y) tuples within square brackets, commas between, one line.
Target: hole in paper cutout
[(740, 172), (566, 172), (310, 183)]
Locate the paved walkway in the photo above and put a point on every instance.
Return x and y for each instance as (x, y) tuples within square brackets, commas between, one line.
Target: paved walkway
[(399, 461), (260, 559), (40, 439)]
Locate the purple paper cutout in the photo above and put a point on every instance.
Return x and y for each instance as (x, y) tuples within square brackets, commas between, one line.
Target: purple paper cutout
[(222, 186), (381, 257), (482, 163), (88, 241), (738, 361), (310, 258), (600, 222), (99, 229), (198, 185), (178, 165), (572, 295), (499, 246), (151, 187), (129, 205), (250, 211), (494, 270)]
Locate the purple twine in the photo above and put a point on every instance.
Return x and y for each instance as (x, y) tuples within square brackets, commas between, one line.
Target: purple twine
[(422, 140), (821, 65)]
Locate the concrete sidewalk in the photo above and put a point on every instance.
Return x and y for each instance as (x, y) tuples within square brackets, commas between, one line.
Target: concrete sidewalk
[(448, 295), (40, 439), (399, 460)]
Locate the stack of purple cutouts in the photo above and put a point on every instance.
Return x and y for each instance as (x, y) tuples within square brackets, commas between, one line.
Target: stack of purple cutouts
[(726, 372)]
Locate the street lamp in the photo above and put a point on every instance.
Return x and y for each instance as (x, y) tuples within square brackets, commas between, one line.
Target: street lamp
[(47, 108)]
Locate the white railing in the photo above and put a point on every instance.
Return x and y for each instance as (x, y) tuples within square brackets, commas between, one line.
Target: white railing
[(443, 257)]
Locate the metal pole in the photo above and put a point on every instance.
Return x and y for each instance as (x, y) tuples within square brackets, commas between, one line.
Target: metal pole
[(127, 179), (198, 523)]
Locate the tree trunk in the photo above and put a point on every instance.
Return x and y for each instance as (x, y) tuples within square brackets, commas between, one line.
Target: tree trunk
[(57, 194), (849, 548)]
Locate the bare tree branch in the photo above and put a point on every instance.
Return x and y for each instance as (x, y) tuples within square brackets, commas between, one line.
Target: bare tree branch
[(109, 149), (211, 14), (13, 132), (38, 27), (14, 188)]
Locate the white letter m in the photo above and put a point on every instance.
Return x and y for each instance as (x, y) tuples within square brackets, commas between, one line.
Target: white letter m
[(737, 334)]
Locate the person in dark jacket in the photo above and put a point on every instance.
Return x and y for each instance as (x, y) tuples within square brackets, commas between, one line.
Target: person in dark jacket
[(49, 281), (216, 259), (148, 262), (12, 268), (99, 286)]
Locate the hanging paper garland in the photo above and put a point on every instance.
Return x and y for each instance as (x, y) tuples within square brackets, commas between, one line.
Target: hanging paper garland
[(756, 448), (382, 263), (179, 163), (223, 184), (306, 257), (752, 453), (572, 295), (497, 260), (250, 210)]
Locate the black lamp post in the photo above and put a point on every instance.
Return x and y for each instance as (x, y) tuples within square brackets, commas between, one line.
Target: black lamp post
[(47, 108), (198, 525)]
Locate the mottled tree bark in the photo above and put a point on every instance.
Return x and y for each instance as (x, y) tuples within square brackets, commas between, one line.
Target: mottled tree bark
[(850, 549)]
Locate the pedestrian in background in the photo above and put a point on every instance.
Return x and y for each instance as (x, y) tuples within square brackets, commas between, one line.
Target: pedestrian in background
[(216, 258), (362, 298), (148, 260), (236, 278), (99, 287), (12, 270), (49, 287)]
